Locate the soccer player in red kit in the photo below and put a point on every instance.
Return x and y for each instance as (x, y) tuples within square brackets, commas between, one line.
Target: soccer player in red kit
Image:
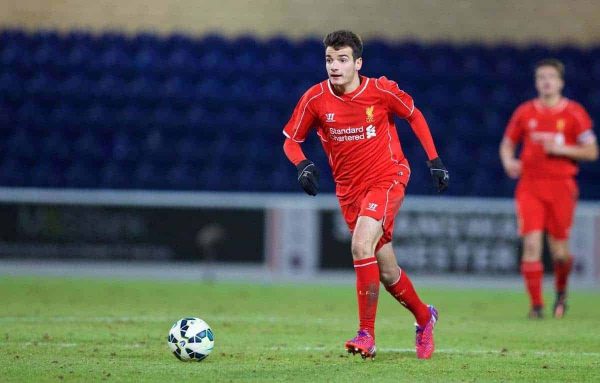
[(352, 116), (555, 134)]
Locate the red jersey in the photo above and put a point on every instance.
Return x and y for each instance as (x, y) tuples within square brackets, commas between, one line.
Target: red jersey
[(357, 131), (532, 123)]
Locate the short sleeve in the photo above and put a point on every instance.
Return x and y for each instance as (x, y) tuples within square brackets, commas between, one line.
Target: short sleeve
[(398, 101), (514, 129), (303, 118), (583, 125)]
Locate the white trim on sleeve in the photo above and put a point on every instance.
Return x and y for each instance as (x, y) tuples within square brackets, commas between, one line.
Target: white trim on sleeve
[(587, 137), (304, 111), (411, 110)]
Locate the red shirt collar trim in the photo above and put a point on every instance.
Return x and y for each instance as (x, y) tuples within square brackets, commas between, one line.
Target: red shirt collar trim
[(559, 107), (349, 96)]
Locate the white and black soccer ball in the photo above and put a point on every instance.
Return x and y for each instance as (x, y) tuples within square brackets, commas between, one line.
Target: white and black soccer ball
[(191, 339)]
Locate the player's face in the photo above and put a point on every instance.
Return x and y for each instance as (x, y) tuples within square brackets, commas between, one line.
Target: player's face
[(342, 69), (548, 81)]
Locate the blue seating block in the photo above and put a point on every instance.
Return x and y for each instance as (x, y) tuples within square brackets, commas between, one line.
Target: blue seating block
[(179, 112)]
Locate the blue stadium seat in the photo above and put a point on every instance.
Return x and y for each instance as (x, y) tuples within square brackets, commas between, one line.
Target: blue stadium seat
[(124, 147), (149, 176), (209, 92), (193, 151), (55, 147), (182, 176), (143, 89), (109, 89), (157, 148), (89, 148), (116, 175), (47, 174), (196, 121), (212, 62), (21, 146), (14, 173), (80, 175), (148, 60)]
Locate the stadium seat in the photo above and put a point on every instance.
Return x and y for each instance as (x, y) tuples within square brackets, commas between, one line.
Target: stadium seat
[(81, 175), (47, 174), (14, 173), (152, 111)]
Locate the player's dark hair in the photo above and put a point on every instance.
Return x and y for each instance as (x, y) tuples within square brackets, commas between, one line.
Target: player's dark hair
[(554, 63), (343, 38)]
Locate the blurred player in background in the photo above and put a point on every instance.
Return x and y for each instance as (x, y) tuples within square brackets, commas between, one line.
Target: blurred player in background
[(555, 134), (353, 117)]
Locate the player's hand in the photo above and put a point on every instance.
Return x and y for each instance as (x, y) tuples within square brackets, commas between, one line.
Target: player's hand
[(439, 174), (513, 168), (553, 149), (308, 177)]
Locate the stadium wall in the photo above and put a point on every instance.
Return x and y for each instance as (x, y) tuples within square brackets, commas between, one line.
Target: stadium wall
[(287, 234), (515, 21)]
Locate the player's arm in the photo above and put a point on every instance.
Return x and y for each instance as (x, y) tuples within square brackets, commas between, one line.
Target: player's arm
[(295, 132), (308, 176), (586, 147), (401, 104), (508, 146), (579, 152), (438, 171), (511, 164)]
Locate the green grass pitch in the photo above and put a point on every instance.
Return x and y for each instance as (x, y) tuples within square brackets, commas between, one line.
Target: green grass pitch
[(70, 329)]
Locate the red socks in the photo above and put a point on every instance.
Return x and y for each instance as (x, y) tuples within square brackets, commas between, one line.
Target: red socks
[(562, 269), (405, 293), (367, 292), (533, 274)]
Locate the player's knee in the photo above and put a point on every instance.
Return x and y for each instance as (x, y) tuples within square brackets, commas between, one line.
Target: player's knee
[(361, 249), (388, 275), (560, 251), (532, 250)]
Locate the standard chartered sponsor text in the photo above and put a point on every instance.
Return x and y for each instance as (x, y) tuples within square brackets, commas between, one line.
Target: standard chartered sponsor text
[(347, 134)]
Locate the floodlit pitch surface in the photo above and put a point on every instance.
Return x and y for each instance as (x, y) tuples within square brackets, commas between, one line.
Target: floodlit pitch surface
[(70, 329)]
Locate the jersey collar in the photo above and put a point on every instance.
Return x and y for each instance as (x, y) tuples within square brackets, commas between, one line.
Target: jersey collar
[(352, 95), (559, 107)]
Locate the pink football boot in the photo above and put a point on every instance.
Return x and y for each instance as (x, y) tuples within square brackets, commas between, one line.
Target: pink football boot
[(424, 339), (363, 343)]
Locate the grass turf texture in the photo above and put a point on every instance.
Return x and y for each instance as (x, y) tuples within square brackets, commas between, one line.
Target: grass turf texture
[(115, 330)]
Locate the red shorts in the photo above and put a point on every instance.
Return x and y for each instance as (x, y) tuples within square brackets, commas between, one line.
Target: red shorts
[(546, 205), (381, 202)]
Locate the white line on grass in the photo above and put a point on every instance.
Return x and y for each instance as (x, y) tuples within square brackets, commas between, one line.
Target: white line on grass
[(265, 319), (450, 351), (158, 318), (459, 351)]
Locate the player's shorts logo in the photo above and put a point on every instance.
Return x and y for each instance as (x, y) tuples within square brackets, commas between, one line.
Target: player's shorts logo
[(329, 117), (372, 206), (370, 111), (370, 131)]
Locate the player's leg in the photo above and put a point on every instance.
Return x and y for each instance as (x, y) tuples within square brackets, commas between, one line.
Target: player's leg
[(563, 263), (396, 280), (530, 216), (399, 285), (366, 234), (532, 270), (561, 219), (364, 239)]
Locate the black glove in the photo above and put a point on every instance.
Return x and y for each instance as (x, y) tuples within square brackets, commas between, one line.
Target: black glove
[(439, 174), (308, 177)]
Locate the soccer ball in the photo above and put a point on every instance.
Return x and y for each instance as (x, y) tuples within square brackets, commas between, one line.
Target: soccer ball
[(191, 339)]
